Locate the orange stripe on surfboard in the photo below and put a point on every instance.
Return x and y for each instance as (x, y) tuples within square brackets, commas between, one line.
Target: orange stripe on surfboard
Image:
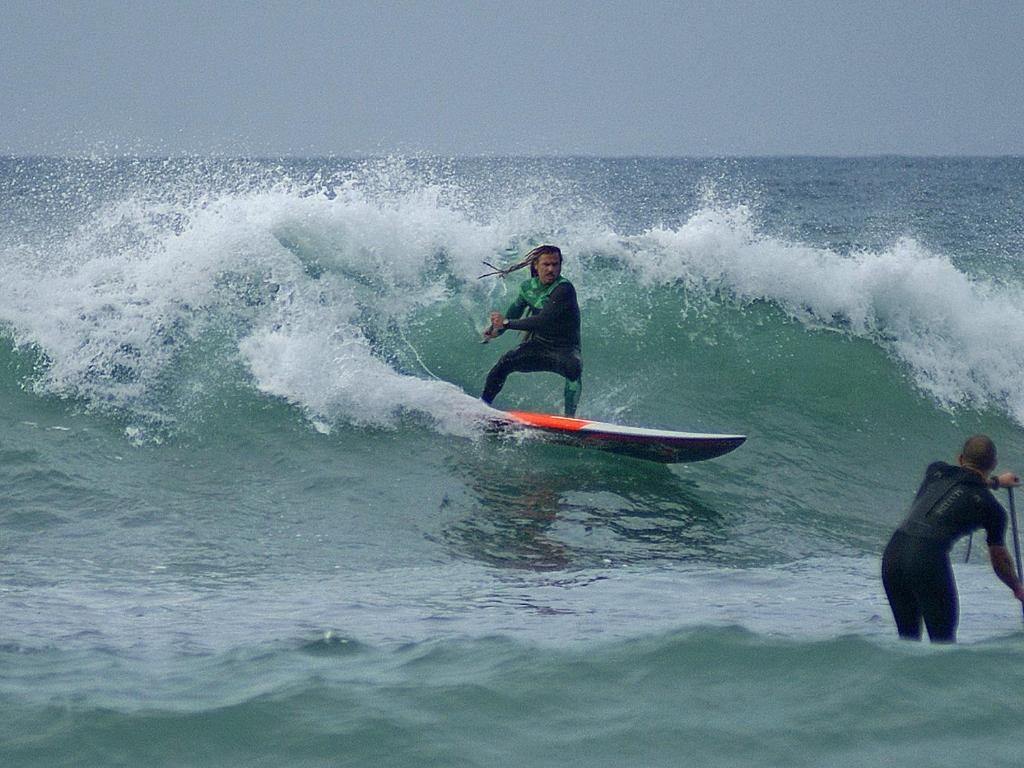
[(548, 421)]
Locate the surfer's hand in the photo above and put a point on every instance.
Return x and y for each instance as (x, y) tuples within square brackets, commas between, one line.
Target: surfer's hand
[(497, 321), (1008, 480)]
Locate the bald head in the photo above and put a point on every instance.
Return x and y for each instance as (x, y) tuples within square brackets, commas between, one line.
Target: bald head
[(979, 453)]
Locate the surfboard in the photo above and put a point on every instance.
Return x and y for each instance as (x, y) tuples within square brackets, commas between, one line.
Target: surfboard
[(662, 445)]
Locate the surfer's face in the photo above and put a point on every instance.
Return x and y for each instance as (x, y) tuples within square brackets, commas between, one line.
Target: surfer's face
[(548, 267)]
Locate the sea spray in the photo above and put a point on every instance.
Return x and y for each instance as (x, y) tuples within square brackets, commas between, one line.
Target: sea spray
[(340, 260)]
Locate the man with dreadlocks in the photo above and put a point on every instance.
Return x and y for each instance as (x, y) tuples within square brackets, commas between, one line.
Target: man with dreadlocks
[(551, 324)]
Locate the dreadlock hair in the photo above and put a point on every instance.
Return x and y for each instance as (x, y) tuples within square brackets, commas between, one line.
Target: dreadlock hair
[(528, 260)]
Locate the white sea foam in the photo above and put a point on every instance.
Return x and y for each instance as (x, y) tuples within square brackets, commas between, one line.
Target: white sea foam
[(291, 273), (341, 377)]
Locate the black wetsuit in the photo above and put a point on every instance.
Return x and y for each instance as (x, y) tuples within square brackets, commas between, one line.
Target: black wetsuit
[(951, 503), (553, 343)]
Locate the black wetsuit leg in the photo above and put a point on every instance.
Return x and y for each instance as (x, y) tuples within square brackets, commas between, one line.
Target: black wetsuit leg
[(531, 357), (919, 585), (902, 600)]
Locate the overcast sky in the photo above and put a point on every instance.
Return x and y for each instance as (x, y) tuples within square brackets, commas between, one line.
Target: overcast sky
[(689, 78)]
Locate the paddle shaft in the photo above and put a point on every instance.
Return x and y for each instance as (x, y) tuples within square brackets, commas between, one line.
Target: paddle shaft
[(1016, 537), (1016, 534)]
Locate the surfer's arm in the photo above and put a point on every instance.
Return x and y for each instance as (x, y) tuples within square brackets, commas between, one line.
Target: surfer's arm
[(1002, 564), (498, 320), (1005, 480)]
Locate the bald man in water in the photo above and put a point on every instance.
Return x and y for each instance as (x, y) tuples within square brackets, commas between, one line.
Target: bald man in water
[(952, 502)]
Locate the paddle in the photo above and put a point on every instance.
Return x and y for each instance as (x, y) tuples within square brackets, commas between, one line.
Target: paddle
[(1016, 537)]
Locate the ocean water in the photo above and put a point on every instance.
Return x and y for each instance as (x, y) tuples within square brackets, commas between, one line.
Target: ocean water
[(250, 515)]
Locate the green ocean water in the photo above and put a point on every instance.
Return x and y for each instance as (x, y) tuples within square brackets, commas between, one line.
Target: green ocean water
[(249, 515)]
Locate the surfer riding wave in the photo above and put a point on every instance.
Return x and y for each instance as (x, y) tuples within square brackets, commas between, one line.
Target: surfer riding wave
[(547, 311)]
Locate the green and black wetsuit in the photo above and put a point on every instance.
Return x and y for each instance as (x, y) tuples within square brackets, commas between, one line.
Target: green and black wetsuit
[(552, 323)]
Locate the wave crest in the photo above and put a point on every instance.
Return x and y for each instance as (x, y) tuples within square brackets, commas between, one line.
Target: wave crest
[(316, 292)]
